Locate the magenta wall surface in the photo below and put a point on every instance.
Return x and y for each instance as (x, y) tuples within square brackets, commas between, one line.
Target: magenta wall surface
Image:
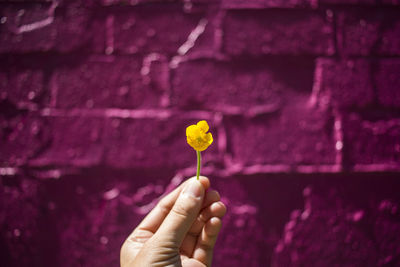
[(303, 99)]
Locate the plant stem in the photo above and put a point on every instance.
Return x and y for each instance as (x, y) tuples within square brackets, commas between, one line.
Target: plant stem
[(198, 164)]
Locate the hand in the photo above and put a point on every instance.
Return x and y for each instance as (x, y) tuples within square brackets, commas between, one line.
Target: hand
[(181, 230)]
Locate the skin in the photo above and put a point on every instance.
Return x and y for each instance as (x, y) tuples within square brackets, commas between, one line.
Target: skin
[(181, 230)]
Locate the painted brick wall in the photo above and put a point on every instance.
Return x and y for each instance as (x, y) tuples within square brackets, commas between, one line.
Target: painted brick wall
[(303, 98)]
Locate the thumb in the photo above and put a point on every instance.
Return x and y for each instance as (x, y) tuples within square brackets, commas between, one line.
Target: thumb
[(183, 213)]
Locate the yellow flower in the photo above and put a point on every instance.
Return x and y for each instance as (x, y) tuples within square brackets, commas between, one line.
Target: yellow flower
[(197, 136)]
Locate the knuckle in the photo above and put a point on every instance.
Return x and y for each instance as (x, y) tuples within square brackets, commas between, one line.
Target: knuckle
[(209, 246), (222, 208), (203, 217), (181, 209), (163, 207)]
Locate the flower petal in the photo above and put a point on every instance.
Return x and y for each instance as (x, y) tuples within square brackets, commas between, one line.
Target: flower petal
[(203, 125), (191, 130), (209, 138)]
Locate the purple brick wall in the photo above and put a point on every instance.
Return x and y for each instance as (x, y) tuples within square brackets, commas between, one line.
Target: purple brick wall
[(303, 98)]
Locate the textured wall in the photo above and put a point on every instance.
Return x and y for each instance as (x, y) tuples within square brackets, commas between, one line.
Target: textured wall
[(303, 98)]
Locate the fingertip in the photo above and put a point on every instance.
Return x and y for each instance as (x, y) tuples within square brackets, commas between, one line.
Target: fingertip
[(210, 197), (215, 221), (194, 188), (215, 194), (203, 180), (213, 226), (218, 209)]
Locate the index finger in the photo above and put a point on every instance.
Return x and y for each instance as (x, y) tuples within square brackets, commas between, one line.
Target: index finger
[(157, 215)]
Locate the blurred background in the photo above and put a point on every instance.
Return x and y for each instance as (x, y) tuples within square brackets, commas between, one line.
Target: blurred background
[(303, 100)]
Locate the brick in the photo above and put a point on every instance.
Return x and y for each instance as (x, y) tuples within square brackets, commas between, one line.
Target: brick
[(155, 28), (371, 141), (26, 1), (359, 2), (353, 224), (387, 81), (105, 82), (22, 86), (126, 2), (92, 224), (151, 143), (326, 232), (277, 32), (373, 32), (352, 89), (205, 39), (358, 77), (387, 231), (72, 141), (62, 3), (243, 219), (238, 85), (186, 5), (38, 27), (390, 2), (296, 135), (20, 214), (22, 137), (237, 4), (347, 2)]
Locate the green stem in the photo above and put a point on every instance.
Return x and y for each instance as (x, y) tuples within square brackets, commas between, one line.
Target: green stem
[(198, 164)]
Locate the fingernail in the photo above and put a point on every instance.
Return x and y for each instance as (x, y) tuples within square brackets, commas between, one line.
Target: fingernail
[(194, 188)]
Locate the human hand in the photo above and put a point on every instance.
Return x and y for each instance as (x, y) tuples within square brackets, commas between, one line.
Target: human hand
[(181, 230)]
